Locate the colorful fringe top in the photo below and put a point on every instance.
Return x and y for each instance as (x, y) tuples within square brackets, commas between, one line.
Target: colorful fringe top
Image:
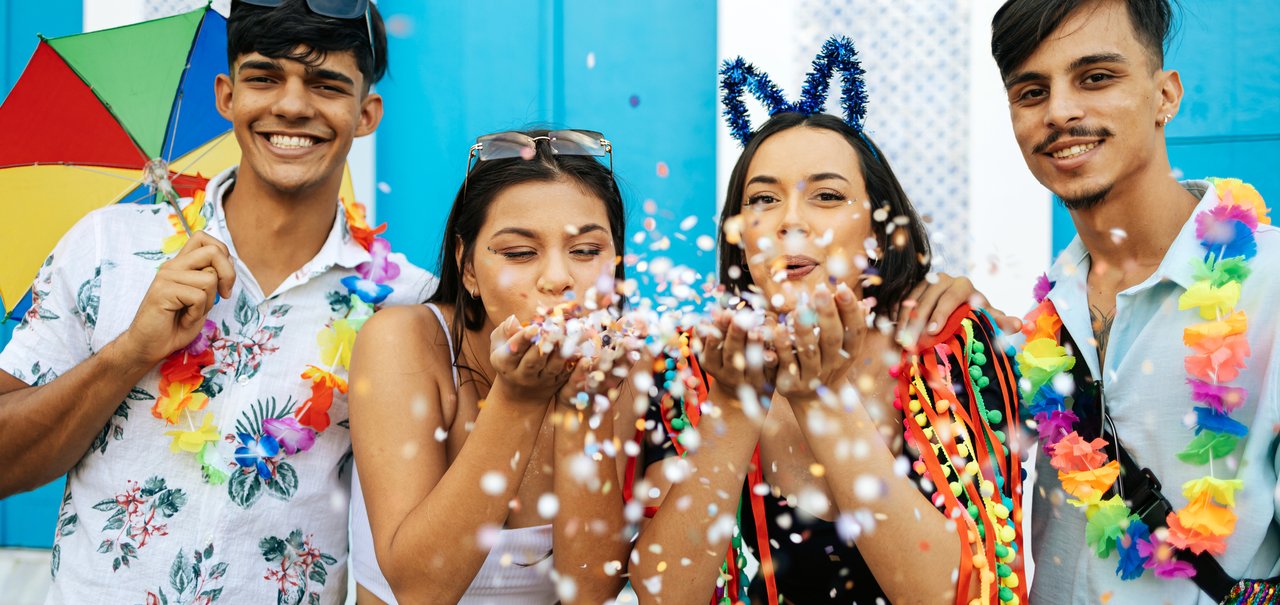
[(959, 395)]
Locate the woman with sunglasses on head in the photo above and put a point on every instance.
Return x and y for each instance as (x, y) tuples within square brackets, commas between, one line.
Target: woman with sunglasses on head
[(466, 413), (832, 483)]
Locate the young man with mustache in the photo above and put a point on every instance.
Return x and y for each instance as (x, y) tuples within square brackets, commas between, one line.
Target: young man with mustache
[(222, 475), (1162, 306)]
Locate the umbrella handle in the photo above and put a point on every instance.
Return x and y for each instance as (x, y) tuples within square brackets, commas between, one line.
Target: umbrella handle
[(156, 174), (171, 196)]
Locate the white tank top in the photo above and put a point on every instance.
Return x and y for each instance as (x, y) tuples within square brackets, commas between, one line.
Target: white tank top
[(516, 572)]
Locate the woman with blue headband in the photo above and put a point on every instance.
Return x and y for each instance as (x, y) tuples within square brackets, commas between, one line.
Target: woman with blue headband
[(854, 466)]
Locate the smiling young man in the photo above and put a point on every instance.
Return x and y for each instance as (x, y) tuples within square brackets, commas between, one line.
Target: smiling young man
[(1090, 99), (193, 389)]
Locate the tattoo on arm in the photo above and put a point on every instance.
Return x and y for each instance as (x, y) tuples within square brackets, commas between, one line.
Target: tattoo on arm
[(1101, 322)]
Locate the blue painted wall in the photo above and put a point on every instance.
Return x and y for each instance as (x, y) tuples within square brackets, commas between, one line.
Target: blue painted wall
[(1229, 123), (460, 70), (28, 519)]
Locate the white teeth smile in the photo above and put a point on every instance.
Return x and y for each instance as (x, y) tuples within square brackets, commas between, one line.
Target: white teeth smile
[(284, 142), (1073, 151)]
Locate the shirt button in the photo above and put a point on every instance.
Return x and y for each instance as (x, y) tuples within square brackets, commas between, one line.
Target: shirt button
[(243, 380)]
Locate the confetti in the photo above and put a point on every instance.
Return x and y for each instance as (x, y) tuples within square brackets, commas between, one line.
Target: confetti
[(493, 483), (548, 505), (869, 488)]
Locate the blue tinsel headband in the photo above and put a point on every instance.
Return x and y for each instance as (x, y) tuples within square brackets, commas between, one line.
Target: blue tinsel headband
[(837, 54)]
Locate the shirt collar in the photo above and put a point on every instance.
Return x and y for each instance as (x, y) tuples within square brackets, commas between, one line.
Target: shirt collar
[(1176, 266), (339, 249)]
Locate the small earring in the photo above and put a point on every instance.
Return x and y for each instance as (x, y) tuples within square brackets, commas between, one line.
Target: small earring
[(1167, 117)]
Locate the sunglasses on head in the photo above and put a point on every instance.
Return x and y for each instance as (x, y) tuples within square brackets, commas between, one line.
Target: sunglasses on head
[(512, 144), (337, 9)]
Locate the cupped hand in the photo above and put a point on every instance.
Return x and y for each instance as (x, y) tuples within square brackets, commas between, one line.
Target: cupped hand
[(818, 342), (528, 359)]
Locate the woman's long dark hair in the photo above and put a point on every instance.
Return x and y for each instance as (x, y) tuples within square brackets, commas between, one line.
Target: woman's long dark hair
[(471, 208), (903, 261)]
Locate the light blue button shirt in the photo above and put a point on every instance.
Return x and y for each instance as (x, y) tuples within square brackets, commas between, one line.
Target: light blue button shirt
[(1148, 397)]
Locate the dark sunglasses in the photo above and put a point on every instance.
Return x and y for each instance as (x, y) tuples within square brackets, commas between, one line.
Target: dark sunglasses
[(512, 144), (337, 9)]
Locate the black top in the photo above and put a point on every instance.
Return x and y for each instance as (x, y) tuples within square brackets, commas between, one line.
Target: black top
[(819, 568)]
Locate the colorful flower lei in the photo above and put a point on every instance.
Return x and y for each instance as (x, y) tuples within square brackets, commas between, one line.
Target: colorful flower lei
[(1218, 351), (183, 374)]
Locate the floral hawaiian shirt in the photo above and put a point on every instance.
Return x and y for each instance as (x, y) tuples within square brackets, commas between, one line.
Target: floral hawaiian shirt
[(140, 523)]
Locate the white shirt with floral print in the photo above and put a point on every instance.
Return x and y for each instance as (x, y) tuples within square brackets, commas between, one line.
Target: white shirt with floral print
[(139, 523)]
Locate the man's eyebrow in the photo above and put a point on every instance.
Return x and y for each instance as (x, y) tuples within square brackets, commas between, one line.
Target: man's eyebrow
[(1096, 58), (1023, 77), (329, 74), (261, 64), (1085, 61)]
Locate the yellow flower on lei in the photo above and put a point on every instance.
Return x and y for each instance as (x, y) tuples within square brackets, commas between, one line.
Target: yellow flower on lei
[(1041, 359), (1240, 193), (1222, 490), (1091, 502), (175, 242), (1213, 302), (179, 396), (336, 342), (193, 441)]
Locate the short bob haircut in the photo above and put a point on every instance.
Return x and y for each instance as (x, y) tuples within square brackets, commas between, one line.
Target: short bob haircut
[(903, 262)]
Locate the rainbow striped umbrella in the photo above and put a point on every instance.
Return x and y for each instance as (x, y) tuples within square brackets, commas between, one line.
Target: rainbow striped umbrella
[(106, 117)]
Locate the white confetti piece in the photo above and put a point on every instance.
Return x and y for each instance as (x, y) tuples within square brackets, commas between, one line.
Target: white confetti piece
[(493, 483)]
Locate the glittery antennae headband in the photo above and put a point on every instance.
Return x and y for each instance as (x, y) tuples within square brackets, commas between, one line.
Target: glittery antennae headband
[(838, 54)]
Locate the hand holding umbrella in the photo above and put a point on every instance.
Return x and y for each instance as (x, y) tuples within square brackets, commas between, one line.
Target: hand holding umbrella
[(185, 288)]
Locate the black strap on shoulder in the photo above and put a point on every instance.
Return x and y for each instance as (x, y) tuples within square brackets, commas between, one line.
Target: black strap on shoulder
[(1141, 487)]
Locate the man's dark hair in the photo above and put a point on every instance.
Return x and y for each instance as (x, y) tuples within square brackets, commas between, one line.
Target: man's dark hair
[(292, 31), (1020, 26)]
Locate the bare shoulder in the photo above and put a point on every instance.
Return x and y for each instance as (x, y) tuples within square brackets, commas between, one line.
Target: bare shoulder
[(402, 355), (407, 337)]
